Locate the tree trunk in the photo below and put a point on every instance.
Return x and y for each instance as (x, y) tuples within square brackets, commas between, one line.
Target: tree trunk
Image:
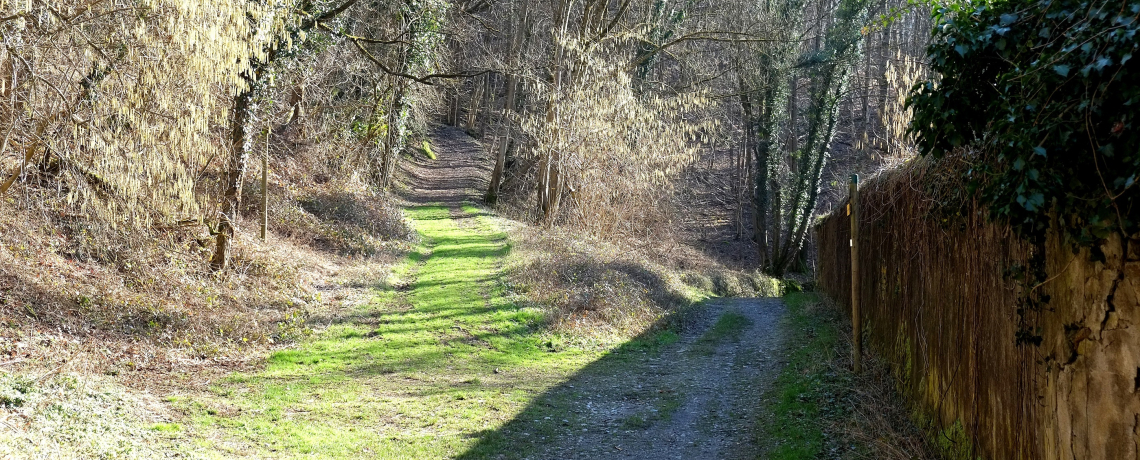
[(492, 197), (549, 185), (518, 40), (393, 144), (553, 189), (235, 175), (473, 108), (481, 118), (8, 80), (501, 157)]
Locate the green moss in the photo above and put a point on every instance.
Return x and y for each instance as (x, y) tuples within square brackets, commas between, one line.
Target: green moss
[(952, 442)]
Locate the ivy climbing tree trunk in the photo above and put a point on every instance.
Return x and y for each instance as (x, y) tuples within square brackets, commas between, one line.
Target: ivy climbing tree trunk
[(240, 142), (788, 180)]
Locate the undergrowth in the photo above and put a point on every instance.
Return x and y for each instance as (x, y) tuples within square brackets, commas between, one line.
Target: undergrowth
[(92, 283), (68, 416), (606, 292), (817, 408)]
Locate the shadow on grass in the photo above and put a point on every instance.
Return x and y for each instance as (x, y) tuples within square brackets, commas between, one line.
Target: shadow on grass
[(558, 415), (427, 378)]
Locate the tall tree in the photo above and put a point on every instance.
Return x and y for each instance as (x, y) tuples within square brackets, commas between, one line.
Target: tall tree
[(788, 182)]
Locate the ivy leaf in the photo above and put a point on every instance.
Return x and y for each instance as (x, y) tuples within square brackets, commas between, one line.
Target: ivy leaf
[(1039, 150), (961, 49), (1062, 70), (1035, 202)]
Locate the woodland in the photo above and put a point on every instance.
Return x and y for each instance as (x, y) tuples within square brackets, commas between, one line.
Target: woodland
[(195, 191)]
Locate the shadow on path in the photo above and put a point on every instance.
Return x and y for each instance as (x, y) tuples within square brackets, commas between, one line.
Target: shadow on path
[(458, 175), (659, 396)]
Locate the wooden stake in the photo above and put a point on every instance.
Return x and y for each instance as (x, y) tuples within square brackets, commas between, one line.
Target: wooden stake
[(265, 188), (856, 319)]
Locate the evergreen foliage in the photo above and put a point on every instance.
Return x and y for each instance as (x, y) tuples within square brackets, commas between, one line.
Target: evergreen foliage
[(787, 182), (1048, 93)]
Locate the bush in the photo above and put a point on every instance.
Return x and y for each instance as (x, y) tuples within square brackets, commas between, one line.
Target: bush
[(1048, 95)]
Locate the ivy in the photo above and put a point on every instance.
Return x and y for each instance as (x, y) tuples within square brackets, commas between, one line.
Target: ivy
[(1046, 95)]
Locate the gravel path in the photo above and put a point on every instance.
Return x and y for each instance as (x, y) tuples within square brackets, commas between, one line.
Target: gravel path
[(681, 403), (686, 400)]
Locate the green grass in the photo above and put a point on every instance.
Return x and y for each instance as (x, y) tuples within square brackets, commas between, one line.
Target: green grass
[(427, 150), (166, 427), (420, 372), (807, 394), (728, 327)]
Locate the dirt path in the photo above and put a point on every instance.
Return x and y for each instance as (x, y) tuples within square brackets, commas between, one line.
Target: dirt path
[(458, 174), (696, 398), (717, 388), (693, 396)]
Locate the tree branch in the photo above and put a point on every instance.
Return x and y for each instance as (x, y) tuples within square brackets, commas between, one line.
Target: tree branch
[(617, 17), (373, 41), (426, 79), (698, 36)]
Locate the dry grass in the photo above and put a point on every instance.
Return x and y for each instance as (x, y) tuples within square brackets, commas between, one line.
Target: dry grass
[(112, 304), (818, 408), (879, 420), (615, 290), (116, 298), (69, 416), (651, 254)]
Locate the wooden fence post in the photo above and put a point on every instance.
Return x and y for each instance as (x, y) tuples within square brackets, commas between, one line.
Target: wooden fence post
[(265, 188), (856, 319)]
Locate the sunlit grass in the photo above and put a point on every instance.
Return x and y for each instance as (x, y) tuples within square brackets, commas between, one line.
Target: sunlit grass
[(396, 381)]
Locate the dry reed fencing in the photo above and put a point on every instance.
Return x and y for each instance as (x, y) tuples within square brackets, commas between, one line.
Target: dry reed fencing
[(938, 302)]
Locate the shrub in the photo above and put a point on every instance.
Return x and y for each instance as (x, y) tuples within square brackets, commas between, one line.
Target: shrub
[(1048, 93)]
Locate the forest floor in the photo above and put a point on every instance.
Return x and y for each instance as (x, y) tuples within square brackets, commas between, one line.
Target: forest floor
[(443, 363)]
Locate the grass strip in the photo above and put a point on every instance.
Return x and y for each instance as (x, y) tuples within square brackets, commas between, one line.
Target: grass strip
[(727, 328), (421, 372), (808, 396)]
